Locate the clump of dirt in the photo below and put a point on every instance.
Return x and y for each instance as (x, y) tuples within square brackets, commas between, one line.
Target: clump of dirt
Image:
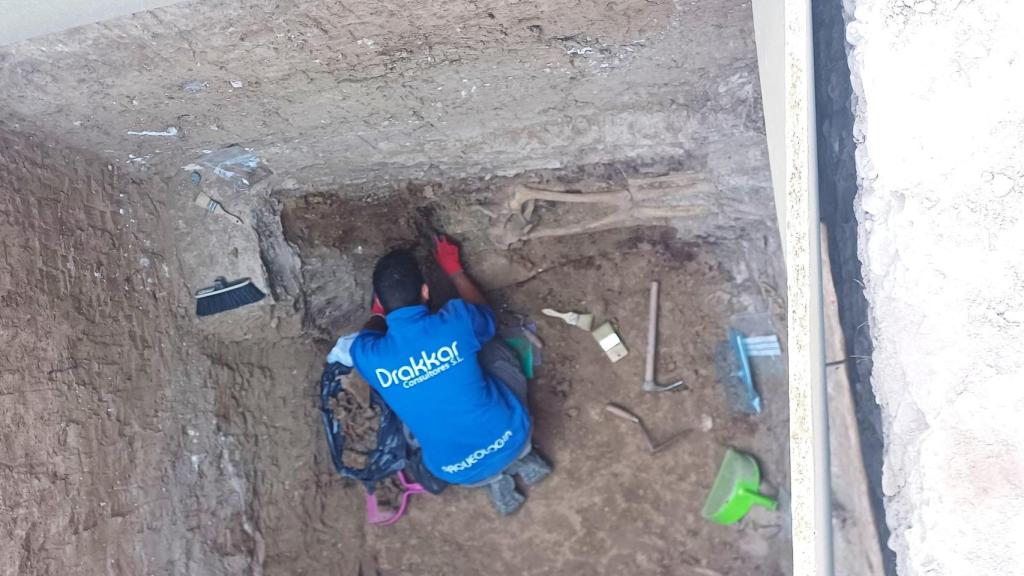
[(359, 419), (372, 226)]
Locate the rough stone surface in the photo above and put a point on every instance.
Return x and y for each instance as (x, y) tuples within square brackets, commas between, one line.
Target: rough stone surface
[(939, 121), (348, 91)]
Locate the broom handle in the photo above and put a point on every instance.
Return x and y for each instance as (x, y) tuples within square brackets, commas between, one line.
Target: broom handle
[(652, 333)]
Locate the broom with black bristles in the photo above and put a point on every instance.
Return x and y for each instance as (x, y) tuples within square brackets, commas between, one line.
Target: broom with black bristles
[(224, 296)]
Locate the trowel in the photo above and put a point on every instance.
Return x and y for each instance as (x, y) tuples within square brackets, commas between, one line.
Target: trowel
[(652, 446), (649, 384), (581, 321)]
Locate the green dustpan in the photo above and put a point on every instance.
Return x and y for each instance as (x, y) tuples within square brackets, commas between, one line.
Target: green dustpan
[(736, 489)]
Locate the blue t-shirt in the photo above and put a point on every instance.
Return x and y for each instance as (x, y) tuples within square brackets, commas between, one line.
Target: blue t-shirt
[(469, 424)]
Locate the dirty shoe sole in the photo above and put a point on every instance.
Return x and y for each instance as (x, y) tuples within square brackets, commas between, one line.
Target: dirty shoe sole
[(532, 468), (504, 496)]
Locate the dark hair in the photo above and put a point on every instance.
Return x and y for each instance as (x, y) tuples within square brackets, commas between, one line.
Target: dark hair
[(397, 280)]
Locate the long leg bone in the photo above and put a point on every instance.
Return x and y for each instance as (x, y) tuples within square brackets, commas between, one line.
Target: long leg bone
[(524, 194), (644, 201), (616, 220)]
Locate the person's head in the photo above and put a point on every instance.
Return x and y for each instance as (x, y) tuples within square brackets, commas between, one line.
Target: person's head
[(398, 282)]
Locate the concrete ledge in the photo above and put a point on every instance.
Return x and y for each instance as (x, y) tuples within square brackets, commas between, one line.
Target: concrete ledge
[(24, 19)]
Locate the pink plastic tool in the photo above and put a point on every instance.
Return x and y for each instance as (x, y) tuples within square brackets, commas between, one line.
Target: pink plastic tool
[(373, 514)]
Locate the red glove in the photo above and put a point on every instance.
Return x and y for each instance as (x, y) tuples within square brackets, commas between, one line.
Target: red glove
[(447, 255), (377, 309)]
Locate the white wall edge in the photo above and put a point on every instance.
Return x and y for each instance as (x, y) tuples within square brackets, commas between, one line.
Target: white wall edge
[(24, 19), (810, 480)]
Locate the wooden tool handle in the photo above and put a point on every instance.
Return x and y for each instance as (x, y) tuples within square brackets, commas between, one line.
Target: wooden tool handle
[(554, 313), (652, 334), (621, 412)]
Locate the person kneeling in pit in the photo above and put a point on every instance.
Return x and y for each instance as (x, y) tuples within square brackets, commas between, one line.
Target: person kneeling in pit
[(459, 391)]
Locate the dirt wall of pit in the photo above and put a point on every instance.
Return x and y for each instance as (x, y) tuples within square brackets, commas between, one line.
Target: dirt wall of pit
[(333, 92), (112, 461)]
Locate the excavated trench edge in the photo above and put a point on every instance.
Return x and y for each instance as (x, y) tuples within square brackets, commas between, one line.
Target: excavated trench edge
[(837, 188)]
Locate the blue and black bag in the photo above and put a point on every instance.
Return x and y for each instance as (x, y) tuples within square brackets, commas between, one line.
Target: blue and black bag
[(392, 452)]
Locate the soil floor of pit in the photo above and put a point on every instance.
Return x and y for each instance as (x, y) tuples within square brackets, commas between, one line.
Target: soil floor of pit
[(184, 445), (610, 507)]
